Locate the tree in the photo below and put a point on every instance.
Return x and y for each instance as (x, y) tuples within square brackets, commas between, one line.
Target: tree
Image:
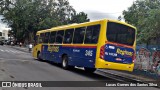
[(79, 18), (120, 18), (26, 17), (144, 14)]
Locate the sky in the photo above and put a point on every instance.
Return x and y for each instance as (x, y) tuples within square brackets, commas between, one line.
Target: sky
[(96, 9), (2, 25), (99, 9)]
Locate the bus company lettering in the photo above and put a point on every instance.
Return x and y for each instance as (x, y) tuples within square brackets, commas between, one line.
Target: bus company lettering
[(53, 48), (124, 52)]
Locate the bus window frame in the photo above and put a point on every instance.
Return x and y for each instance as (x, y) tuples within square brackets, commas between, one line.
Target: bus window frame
[(51, 38), (65, 35), (116, 36), (62, 37), (46, 37), (99, 25), (83, 36), (41, 38)]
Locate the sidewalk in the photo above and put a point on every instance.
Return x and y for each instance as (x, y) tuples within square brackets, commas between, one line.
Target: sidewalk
[(136, 74)]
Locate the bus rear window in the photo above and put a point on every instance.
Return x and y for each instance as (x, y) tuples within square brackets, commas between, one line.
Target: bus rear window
[(120, 33)]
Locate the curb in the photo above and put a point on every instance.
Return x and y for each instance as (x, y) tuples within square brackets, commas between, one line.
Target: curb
[(127, 78)]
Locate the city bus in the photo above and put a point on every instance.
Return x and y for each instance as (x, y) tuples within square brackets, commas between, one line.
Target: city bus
[(101, 44)]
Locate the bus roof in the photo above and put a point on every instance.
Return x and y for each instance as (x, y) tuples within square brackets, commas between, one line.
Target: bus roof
[(74, 25)]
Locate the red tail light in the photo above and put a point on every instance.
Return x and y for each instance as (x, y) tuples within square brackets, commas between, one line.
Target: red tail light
[(102, 52), (134, 57)]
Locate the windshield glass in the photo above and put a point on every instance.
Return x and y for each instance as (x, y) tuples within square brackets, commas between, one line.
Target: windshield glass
[(120, 33)]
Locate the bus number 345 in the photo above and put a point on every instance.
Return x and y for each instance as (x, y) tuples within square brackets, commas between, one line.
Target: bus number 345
[(88, 53)]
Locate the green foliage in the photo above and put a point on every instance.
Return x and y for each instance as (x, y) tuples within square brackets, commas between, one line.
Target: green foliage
[(144, 14), (26, 17), (79, 18)]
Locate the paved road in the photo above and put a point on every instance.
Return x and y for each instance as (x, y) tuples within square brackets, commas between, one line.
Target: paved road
[(17, 65)]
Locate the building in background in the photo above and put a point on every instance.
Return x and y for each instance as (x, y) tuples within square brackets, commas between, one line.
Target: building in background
[(5, 34)]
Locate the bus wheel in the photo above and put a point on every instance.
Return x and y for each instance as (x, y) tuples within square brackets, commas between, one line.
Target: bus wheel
[(90, 70), (65, 62)]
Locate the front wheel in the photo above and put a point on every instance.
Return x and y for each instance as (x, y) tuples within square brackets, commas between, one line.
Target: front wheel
[(90, 70)]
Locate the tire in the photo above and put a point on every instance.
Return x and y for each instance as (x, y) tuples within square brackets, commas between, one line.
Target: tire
[(90, 70), (65, 62)]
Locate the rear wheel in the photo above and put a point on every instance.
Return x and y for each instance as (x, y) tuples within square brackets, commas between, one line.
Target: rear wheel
[(90, 70), (65, 62)]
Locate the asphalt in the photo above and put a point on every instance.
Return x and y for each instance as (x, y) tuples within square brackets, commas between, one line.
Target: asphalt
[(17, 64)]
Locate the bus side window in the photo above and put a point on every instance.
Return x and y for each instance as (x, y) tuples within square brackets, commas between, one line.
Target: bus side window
[(92, 34), (41, 38), (59, 36), (52, 37), (46, 37), (68, 36), (79, 35)]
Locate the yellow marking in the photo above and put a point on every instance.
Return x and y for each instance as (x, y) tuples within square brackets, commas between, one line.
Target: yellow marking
[(124, 52), (53, 48)]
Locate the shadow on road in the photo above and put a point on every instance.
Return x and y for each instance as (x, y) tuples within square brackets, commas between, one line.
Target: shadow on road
[(81, 72)]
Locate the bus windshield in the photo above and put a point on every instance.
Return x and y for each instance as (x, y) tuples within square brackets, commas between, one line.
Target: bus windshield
[(120, 33)]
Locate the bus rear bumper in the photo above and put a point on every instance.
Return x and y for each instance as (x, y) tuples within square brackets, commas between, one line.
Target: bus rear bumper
[(102, 64)]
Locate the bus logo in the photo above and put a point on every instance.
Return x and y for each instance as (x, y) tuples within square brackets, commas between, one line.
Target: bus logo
[(124, 52), (53, 48)]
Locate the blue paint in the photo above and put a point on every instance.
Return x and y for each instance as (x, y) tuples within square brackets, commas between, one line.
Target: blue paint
[(77, 56), (111, 54)]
